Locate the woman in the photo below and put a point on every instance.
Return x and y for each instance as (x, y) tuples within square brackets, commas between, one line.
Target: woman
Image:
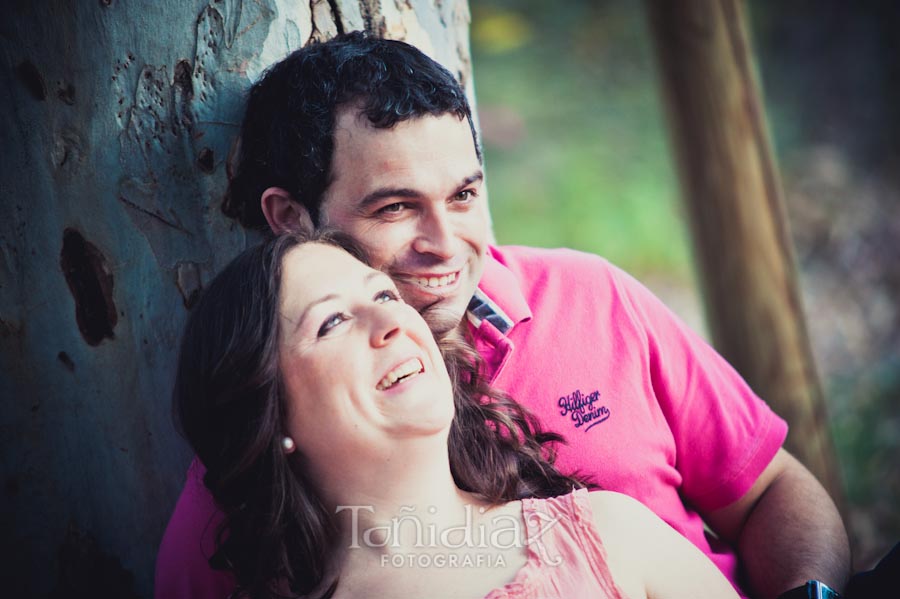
[(351, 460)]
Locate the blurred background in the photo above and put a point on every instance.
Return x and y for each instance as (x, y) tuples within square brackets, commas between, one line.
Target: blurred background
[(577, 155)]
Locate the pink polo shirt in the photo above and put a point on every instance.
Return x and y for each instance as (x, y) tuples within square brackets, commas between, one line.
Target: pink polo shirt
[(647, 407)]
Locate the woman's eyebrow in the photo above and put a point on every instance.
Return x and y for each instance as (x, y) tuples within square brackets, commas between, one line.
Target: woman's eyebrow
[(310, 306), (375, 274)]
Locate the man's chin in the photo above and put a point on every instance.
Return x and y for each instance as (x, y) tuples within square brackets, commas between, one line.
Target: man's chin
[(442, 312), (441, 319)]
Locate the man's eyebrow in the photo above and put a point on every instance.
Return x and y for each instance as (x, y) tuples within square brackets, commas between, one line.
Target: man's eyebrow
[(405, 192), (376, 274), (387, 192), (477, 176)]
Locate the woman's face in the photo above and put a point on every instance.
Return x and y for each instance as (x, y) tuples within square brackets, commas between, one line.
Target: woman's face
[(360, 367)]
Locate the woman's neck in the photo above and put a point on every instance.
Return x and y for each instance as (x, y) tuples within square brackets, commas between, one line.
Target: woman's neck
[(408, 510), (401, 503)]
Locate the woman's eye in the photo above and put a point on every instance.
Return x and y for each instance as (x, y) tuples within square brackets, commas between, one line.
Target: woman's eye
[(331, 322), (386, 295)]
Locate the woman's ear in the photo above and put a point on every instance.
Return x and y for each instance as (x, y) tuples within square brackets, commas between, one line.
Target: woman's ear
[(283, 213)]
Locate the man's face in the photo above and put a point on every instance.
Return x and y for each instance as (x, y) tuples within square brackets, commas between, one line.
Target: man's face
[(413, 195)]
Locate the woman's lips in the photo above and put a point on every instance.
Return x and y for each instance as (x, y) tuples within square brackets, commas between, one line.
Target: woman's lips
[(403, 371)]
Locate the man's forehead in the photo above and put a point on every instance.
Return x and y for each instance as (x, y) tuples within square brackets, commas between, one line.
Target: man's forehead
[(351, 121), (417, 149)]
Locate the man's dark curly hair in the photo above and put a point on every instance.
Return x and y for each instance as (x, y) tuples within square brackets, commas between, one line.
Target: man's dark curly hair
[(287, 137)]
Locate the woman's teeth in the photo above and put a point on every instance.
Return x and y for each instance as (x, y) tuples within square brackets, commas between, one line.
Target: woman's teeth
[(408, 369), (435, 281)]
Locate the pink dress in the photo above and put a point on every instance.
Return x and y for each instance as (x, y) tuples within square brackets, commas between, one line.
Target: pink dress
[(566, 558)]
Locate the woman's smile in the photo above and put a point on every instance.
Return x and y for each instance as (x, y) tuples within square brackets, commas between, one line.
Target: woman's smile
[(400, 374)]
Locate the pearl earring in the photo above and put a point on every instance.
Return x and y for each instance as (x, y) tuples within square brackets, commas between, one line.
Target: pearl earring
[(287, 444)]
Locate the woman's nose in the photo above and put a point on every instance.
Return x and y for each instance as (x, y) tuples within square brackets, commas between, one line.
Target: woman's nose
[(387, 324)]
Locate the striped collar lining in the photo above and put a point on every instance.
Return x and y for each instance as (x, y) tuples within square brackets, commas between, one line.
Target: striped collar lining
[(482, 308)]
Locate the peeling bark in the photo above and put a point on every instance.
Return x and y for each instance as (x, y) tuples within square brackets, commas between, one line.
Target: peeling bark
[(89, 279), (118, 118)]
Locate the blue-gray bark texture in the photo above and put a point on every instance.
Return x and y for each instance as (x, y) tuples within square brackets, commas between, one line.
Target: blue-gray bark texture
[(117, 122)]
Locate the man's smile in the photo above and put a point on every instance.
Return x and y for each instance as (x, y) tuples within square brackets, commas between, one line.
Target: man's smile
[(435, 281)]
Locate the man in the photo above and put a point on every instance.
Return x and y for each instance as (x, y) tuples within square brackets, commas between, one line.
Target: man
[(375, 139)]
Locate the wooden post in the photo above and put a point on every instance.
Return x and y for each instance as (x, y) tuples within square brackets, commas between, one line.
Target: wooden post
[(733, 199)]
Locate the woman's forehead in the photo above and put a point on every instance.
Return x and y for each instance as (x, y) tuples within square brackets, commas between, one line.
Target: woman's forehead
[(314, 269)]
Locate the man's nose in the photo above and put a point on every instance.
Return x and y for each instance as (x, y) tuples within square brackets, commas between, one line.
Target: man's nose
[(436, 234)]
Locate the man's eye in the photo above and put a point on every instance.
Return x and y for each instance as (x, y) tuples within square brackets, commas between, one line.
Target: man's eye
[(465, 195), (392, 208), (331, 322), (386, 295)]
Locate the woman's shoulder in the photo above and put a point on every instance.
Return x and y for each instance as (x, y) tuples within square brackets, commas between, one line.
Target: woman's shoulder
[(618, 502), (619, 517), (604, 508), (619, 523)]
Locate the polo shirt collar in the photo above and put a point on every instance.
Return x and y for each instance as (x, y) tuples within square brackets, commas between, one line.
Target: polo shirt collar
[(498, 298)]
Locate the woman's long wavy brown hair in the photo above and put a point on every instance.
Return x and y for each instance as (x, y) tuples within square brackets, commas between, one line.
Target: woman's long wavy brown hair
[(277, 535)]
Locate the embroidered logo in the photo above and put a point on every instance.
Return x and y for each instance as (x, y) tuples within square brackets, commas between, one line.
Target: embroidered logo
[(584, 410)]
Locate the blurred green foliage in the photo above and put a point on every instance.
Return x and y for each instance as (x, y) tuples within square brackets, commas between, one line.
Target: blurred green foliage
[(574, 136), (577, 155)]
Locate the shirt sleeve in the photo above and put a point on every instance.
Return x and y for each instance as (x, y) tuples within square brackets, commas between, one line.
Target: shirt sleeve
[(725, 435), (182, 564)]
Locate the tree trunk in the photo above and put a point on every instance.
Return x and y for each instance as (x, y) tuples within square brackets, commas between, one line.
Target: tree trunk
[(117, 122), (734, 202)]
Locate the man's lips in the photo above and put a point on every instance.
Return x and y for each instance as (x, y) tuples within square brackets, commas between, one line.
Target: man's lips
[(431, 282)]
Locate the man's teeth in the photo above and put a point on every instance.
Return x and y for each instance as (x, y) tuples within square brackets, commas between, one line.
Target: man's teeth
[(408, 369), (435, 281)]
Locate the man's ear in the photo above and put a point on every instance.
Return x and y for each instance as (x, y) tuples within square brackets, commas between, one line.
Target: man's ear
[(283, 213)]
